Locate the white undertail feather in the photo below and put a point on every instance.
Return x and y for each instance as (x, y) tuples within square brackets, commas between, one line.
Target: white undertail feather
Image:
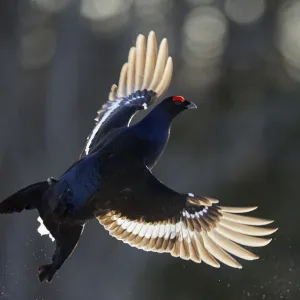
[(42, 230), (210, 233), (147, 68)]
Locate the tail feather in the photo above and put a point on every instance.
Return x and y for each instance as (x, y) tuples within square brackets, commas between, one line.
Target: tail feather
[(27, 198)]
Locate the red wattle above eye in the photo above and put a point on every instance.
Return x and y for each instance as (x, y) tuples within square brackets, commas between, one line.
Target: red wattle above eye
[(178, 98)]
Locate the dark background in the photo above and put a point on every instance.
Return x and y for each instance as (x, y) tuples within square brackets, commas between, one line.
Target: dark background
[(239, 60)]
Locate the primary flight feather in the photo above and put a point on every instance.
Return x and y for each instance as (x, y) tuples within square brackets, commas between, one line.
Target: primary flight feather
[(112, 181)]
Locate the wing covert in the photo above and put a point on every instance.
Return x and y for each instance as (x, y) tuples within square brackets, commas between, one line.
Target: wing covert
[(143, 79)]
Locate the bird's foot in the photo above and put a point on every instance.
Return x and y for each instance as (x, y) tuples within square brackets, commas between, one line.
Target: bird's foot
[(46, 272)]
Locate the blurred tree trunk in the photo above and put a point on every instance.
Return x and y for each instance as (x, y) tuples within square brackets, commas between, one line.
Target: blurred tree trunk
[(9, 86), (61, 102)]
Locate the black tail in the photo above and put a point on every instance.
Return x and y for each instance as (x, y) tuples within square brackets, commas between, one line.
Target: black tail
[(27, 198)]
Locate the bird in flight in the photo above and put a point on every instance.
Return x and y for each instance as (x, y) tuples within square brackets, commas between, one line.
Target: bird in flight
[(112, 180)]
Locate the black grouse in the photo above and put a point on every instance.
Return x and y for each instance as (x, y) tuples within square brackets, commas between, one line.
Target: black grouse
[(112, 181)]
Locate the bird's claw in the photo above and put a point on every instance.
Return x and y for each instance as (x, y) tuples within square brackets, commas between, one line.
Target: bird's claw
[(46, 272)]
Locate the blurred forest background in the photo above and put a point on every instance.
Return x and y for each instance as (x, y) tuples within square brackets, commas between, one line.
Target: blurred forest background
[(239, 60)]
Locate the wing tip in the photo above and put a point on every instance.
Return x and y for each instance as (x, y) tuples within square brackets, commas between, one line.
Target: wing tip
[(267, 242), (155, 69), (214, 265), (139, 37), (238, 210)]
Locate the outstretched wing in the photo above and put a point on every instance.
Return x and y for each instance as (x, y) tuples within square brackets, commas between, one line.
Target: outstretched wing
[(156, 218), (143, 79)]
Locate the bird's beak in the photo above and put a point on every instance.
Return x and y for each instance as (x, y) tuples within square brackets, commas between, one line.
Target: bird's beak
[(191, 106)]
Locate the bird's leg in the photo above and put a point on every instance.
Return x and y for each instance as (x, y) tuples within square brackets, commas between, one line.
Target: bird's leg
[(66, 242)]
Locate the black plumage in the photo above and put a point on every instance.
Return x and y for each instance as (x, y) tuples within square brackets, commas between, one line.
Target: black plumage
[(112, 180)]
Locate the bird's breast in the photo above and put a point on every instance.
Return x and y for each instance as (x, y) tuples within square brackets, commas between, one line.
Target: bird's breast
[(155, 146)]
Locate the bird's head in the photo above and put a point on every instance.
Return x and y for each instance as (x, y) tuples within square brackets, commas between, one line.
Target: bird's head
[(176, 104), (168, 109)]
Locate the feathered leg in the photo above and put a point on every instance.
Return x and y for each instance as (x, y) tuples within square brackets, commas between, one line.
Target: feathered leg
[(67, 237)]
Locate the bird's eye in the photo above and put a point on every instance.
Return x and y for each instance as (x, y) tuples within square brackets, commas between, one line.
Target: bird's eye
[(177, 102)]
